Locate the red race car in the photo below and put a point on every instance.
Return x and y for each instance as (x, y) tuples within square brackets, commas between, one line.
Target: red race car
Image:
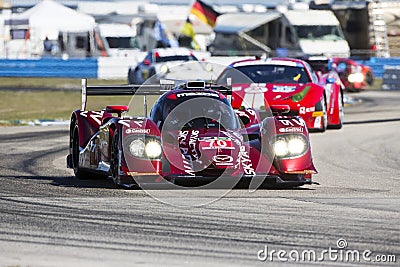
[(192, 134), (355, 76), (260, 83)]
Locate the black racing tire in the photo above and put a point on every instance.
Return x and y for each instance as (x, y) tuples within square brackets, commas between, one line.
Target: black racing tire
[(369, 78), (114, 158), (152, 72), (131, 76), (120, 182), (78, 171), (152, 78), (341, 114)]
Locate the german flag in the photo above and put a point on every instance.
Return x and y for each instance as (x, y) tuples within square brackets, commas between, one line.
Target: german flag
[(204, 12)]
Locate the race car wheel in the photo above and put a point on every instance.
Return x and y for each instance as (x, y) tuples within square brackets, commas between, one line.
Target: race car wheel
[(120, 181), (341, 114), (131, 76), (152, 72), (321, 106), (79, 173), (114, 166), (369, 78)]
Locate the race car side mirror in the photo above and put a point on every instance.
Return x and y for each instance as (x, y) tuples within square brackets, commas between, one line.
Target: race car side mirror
[(117, 109), (245, 116), (244, 119), (279, 109)]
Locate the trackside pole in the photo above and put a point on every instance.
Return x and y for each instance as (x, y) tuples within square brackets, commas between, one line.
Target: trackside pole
[(145, 105), (229, 85), (84, 95)]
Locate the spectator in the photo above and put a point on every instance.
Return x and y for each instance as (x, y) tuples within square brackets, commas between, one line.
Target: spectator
[(187, 34), (50, 47), (160, 35), (47, 44)]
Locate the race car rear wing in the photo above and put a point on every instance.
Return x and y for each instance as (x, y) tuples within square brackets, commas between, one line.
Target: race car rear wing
[(145, 89)]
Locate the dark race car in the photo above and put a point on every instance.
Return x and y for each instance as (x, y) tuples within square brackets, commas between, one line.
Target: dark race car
[(192, 134), (260, 83), (158, 63)]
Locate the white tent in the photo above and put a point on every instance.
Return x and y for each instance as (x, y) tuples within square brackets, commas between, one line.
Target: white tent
[(49, 18)]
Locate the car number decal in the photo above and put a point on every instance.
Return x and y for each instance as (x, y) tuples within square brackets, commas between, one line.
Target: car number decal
[(94, 115), (223, 160), (216, 143)]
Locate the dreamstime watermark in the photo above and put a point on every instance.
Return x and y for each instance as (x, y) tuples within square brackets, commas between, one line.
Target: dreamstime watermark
[(340, 253)]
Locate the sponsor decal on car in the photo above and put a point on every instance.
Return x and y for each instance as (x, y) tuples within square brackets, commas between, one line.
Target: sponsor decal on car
[(304, 110), (188, 94), (291, 130), (318, 114), (244, 160), (187, 167), (283, 89), (187, 143), (137, 131), (256, 88), (192, 144)]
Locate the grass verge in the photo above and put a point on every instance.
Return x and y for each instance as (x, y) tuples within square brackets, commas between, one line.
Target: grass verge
[(50, 105)]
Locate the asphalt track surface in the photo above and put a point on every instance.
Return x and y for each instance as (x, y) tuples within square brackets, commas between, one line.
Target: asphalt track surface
[(49, 218)]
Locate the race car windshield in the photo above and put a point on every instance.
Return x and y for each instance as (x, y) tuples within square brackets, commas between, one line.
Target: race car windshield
[(175, 58), (272, 74), (321, 65), (204, 112)]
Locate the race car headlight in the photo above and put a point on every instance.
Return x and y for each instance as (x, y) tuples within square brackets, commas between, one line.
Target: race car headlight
[(137, 147), (280, 147), (145, 147), (164, 69), (355, 77), (153, 149), (290, 145), (299, 96), (297, 145)]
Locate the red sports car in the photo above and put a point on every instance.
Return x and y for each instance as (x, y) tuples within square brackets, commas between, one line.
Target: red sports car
[(192, 134), (260, 83), (354, 76)]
